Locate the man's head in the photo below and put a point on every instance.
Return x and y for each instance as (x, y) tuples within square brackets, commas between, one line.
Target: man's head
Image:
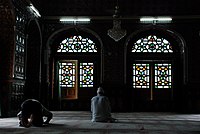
[(100, 90)]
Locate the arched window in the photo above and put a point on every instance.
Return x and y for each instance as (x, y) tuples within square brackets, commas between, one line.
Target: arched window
[(151, 61), (142, 71), (77, 71)]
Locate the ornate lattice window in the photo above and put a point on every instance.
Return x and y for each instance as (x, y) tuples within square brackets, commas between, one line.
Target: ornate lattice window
[(152, 44), (86, 70), (77, 44), (141, 75), (157, 73), (86, 74), (163, 76), (67, 73), (76, 71)]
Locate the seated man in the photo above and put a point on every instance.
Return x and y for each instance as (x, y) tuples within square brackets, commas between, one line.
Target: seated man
[(100, 107), (32, 113)]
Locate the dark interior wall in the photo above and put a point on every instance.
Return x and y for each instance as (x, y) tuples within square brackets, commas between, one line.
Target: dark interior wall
[(7, 56), (192, 38), (190, 32), (127, 7)]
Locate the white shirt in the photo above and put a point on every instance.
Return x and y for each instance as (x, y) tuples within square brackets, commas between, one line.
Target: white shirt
[(100, 108)]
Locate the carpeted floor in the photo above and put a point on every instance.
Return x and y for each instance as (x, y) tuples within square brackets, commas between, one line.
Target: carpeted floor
[(78, 122)]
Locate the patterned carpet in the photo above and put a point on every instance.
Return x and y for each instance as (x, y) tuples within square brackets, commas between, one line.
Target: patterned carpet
[(78, 122)]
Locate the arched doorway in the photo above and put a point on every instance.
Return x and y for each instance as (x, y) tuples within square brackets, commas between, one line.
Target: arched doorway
[(154, 70), (33, 60), (75, 68)]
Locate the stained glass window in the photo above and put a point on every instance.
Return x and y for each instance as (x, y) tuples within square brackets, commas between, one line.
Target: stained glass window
[(67, 74), (152, 44), (141, 75), (77, 44), (163, 76), (86, 74)]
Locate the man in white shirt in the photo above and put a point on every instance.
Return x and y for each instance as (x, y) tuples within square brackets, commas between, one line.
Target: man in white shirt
[(100, 108)]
